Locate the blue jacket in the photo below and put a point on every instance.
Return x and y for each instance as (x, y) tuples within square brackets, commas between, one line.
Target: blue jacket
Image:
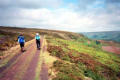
[(21, 39), (37, 37)]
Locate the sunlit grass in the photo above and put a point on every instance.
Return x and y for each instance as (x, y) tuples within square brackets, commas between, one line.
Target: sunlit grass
[(91, 49)]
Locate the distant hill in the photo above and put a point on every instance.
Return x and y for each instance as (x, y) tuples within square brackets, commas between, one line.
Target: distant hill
[(109, 35), (76, 56), (8, 35)]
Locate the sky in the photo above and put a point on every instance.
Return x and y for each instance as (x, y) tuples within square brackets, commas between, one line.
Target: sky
[(66, 15)]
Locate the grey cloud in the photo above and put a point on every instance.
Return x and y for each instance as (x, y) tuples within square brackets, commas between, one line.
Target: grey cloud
[(29, 3), (113, 1), (83, 4), (11, 13)]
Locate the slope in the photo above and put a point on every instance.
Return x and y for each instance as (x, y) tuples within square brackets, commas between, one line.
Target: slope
[(82, 59), (65, 55), (109, 36)]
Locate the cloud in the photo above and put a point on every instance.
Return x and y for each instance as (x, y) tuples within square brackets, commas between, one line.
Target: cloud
[(95, 15), (113, 1), (30, 3)]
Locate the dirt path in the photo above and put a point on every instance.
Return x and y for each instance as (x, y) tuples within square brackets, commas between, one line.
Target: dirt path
[(29, 64), (22, 66), (44, 67), (30, 73), (11, 71), (12, 60), (44, 71)]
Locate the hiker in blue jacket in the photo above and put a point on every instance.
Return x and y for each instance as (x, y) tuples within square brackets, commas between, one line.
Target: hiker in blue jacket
[(37, 37), (21, 41)]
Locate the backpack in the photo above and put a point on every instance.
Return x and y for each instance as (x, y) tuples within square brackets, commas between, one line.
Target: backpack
[(21, 39), (37, 37)]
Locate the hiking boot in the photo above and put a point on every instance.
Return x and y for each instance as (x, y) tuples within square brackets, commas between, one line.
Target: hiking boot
[(23, 50)]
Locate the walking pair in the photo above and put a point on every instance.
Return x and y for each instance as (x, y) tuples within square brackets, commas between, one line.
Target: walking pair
[(21, 41)]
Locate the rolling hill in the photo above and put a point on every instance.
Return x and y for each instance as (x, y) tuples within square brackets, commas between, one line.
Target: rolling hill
[(109, 36), (76, 56)]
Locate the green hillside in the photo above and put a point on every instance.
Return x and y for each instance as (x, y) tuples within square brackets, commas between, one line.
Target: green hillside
[(109, 36), (78, 58)]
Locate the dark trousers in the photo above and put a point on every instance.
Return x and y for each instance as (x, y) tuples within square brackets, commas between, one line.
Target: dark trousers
[(38, 43), (22, 44)]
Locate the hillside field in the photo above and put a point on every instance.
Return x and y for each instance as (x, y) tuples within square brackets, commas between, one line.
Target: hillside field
[(76, 56), (108, 35)]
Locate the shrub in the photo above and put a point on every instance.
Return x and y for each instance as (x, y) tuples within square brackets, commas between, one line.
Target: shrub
[(63, 76), (66, 57), (93, 75), (68, 71), (55, 51)]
